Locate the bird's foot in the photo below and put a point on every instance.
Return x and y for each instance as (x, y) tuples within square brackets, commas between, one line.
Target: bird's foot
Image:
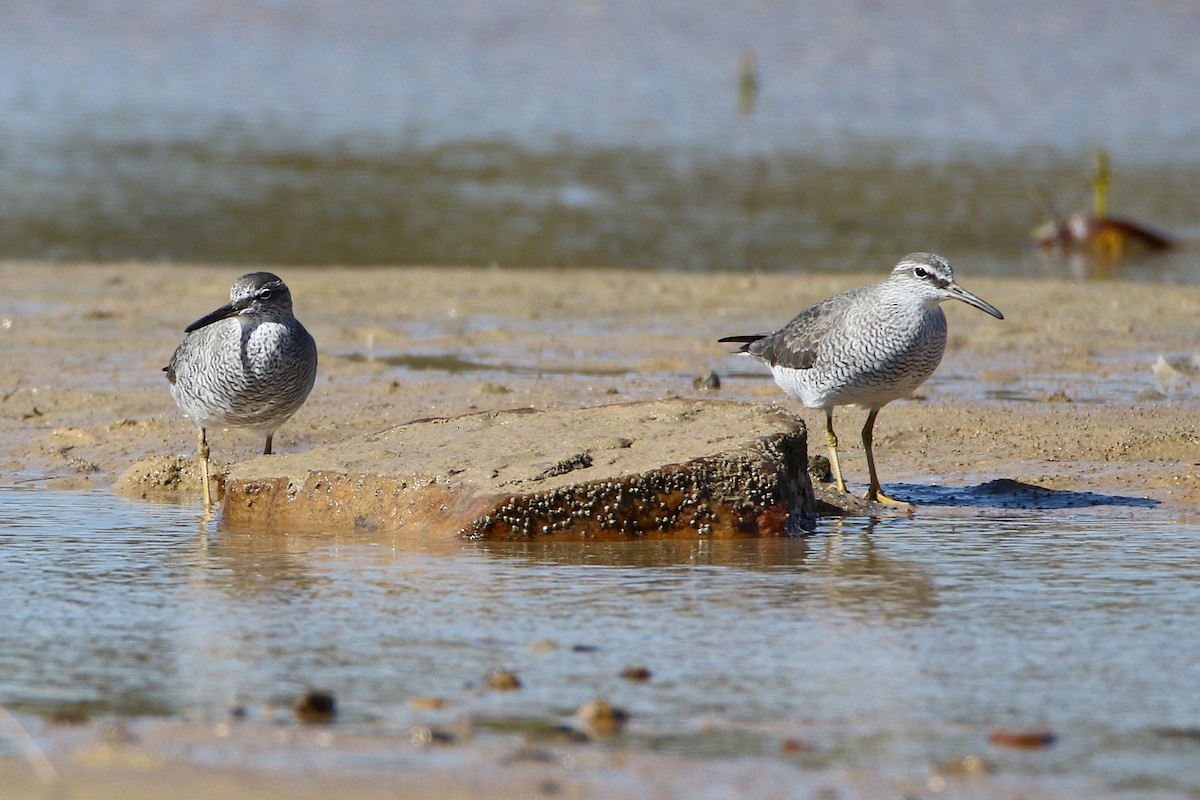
[(876, 495)]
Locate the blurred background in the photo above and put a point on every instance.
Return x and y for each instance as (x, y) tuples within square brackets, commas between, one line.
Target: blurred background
[(761, 135)]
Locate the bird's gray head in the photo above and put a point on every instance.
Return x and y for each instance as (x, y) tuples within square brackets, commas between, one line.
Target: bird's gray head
[(254, 294), (260, 290), (931, 278)]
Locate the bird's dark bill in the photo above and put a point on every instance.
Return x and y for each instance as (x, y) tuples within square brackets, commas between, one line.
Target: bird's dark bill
[(224, 312)]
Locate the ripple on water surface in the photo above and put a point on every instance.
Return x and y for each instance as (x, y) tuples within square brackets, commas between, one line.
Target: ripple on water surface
[(871, 643)]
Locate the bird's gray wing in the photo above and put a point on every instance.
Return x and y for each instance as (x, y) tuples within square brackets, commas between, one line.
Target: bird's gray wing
[(797, 344)]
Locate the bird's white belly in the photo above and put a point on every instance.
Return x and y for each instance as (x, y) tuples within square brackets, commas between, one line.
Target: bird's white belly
[(816, 389)]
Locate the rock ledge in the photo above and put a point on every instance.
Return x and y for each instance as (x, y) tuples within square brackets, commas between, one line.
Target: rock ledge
[(669, 468)]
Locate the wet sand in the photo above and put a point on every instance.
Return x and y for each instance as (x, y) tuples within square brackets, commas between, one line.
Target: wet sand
[(158, 760), (1061, 394)]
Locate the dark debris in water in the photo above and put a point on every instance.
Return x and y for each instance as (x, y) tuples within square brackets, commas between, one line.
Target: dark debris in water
[(1186, 734), (1013, 494), (70, 714)]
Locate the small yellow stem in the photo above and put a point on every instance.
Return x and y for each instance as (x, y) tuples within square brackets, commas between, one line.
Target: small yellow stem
[(1100, 185)]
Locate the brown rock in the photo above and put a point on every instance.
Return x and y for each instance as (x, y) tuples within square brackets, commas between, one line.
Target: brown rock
[(669, 468)]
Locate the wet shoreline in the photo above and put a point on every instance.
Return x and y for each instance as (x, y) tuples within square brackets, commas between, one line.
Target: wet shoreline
[(1062, 393), (1066, 379)]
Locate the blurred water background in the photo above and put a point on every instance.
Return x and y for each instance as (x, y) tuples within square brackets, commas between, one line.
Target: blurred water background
[(825, 134)]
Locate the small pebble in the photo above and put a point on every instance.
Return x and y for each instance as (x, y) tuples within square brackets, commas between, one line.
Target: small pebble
[(428, 703), (424, 736), (601, 718), (1029, 739), (708, 382), (967, 766), (502, 681), (819, 469), (117, 733), (315, 707), (636, 673)]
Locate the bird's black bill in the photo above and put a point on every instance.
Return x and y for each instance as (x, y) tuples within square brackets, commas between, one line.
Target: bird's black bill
[(224, 312), (959, 293)]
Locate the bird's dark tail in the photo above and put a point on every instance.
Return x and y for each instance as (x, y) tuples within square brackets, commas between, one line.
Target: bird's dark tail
[(745, 339)]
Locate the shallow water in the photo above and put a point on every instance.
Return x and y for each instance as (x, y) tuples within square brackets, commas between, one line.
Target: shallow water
[(588, 134), (897, 642)]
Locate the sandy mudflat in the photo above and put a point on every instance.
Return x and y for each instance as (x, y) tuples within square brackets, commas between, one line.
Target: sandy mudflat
[(1061, 394)]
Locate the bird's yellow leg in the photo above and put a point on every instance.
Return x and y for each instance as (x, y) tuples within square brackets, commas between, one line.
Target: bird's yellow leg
[(202, 448), (831, 441), (874, 490)]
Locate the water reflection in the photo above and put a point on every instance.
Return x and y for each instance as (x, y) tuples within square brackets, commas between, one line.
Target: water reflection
[(840, 568)]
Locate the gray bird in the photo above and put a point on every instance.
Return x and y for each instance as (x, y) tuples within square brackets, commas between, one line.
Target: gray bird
[(866, 347), (249, 364)]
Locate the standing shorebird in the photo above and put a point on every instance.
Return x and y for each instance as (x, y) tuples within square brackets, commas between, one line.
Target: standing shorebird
[(249, 364), (866, 347)]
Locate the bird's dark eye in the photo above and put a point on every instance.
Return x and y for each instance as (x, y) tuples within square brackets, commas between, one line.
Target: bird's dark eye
[(921, 272), (265, 294)]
